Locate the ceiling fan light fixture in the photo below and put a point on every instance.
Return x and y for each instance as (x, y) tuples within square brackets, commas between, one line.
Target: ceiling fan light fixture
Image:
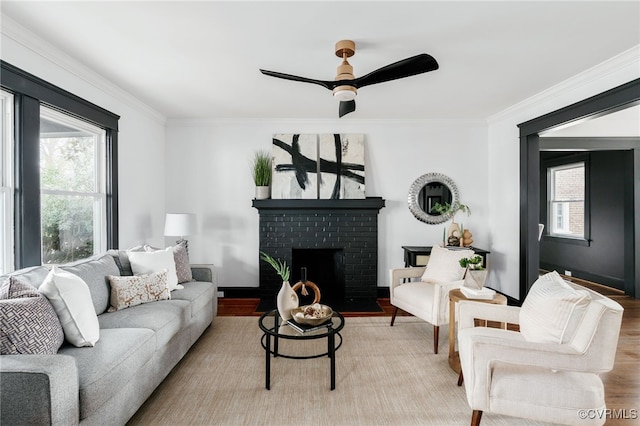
[(345, 93)]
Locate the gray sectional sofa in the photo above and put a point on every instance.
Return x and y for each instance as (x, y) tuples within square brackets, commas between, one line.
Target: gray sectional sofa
[(107, 383)]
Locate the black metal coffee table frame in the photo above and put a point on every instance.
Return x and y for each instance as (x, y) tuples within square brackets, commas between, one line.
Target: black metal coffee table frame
[(330, 333)]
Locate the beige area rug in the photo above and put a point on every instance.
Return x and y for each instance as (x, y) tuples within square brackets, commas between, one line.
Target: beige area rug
[(384, 376)]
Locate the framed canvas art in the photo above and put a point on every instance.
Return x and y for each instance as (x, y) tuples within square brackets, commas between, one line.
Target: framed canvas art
[(295, 174)]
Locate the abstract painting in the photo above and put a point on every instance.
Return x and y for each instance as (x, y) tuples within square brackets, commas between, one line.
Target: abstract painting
[(329, 166), (295, 170), (341, 166)]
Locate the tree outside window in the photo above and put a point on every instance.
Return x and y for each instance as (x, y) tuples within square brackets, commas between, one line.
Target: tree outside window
[(72, 157)]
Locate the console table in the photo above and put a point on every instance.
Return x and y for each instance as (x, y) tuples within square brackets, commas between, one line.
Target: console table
[(418, 255)]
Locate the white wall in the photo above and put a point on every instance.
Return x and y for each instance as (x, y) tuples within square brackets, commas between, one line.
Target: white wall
[(504, 157), (141, 141), (208, 174)]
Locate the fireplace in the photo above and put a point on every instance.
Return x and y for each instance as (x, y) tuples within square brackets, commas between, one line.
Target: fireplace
[(336, 240)]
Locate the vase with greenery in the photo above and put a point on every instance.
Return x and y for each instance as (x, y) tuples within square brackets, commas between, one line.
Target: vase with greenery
[(455, 233), (261, 172), (287, 299), (475, 274)]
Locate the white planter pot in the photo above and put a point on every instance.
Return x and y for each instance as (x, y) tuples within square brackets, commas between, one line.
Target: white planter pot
[(263, 192)]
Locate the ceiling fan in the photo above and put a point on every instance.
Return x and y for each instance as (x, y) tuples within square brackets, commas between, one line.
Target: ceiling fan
[(345, 86)]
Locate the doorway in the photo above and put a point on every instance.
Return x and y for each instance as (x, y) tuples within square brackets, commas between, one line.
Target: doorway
[(619, 98)]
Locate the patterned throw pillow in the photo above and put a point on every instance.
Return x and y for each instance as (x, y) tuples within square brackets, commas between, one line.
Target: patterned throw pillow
[(28, 322), (138, 289), (181, 257)]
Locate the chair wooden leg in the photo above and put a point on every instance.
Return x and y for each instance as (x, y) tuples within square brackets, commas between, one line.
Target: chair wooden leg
[(476, 417), (436, 332), (393, 317), (460, 379)]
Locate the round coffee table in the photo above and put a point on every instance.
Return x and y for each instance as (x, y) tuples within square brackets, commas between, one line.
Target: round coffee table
[(274, 328)]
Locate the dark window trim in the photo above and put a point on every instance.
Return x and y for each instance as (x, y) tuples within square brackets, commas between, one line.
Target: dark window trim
[(560, 161), (616, 99), (29, 93)]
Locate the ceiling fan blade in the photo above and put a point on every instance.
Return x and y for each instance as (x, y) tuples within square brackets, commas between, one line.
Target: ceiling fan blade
[(326, 84), (346, 107), (405, 68)]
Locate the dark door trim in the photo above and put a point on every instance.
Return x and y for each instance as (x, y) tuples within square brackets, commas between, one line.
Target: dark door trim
[(616, 99)]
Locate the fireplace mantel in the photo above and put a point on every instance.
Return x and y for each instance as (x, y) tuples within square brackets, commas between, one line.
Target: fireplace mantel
[(314, 204)]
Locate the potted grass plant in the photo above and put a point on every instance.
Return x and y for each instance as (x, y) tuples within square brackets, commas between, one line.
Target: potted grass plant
[(261, 172)]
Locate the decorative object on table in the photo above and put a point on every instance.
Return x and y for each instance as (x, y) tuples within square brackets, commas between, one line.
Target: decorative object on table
[(345, 85), (474, 278), (454, 234), (287, 299), (467, 238), (261, 170), (180, 225), (313, 315), (304, 283), (311, 166)]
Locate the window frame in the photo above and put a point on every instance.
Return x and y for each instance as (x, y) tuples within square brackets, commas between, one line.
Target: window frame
[(30, 92), (567, 161), (6, 182)]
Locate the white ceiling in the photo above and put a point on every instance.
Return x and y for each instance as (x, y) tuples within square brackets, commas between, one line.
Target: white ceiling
[(201, 59)]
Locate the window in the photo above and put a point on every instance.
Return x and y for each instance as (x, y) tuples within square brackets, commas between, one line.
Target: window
[(64, 166), (566, 195), (6, 182), (72, 188)]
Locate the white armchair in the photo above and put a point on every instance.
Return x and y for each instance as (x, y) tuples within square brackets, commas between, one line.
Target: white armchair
[(535, 376), (428, 297)]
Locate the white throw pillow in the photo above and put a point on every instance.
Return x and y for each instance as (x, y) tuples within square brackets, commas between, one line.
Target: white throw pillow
[(149, 262), (444, 265), (552, 310), (71, 299)]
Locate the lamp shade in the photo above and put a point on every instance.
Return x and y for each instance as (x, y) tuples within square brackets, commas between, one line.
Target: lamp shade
[(180, 224)]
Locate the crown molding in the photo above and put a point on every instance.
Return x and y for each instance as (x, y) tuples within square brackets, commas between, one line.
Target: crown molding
[(23, 36), (336, 124), (628, 60)]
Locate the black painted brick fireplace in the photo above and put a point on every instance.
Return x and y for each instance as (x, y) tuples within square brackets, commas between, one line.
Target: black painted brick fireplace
[(347, 225)]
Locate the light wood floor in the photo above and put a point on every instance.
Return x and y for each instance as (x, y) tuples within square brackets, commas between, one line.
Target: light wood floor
[(622, 384)]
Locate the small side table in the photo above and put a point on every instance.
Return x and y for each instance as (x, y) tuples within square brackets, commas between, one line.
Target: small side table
[(455, 296)]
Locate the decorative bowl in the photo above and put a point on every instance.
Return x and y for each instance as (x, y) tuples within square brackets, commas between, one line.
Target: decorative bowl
[(315, 314)]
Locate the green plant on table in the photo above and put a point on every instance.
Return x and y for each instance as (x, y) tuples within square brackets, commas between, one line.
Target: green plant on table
[(473, 262), (261, 168), (281, 267)]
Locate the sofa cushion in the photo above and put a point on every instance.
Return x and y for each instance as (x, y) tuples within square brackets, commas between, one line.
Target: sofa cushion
[(552, 310), (444, 266), (138, 289), (155, 261), (71, 299), (94, 272), (166, 318), (197, 292), (34, 275), (104, 369), (28, 322)]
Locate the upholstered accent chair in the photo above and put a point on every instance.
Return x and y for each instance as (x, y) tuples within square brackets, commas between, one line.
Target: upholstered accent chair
[(424, 291), (549, 370)]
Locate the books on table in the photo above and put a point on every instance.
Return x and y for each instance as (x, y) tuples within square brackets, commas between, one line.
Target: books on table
[(484, 293)]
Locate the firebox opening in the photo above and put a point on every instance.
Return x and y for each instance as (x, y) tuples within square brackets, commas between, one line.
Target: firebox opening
[(325, 268)]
